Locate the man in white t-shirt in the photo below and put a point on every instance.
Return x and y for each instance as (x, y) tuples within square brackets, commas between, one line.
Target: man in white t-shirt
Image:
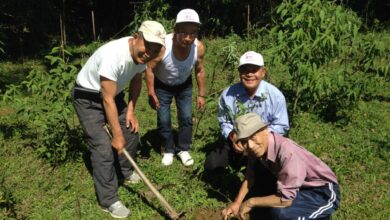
[(170, 76), (98, 98)]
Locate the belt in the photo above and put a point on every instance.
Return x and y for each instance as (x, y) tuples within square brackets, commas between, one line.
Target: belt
[(84, 93), (80, 92), (175, 88)]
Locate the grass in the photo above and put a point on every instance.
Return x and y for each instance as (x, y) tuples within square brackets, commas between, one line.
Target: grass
[(358, 151), (15, 72)]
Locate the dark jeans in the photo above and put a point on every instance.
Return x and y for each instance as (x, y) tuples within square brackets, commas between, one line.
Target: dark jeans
[(224, 155), (104, 159), (183, 97)]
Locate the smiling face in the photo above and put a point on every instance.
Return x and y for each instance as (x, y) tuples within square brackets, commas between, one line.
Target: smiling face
[(143, 51), (251, 76), (257, 143), (185, 34)]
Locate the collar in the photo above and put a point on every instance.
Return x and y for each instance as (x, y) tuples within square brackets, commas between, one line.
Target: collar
[(260, 89)]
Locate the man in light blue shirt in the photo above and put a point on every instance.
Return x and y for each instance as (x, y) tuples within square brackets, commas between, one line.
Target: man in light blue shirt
[(251, 94)]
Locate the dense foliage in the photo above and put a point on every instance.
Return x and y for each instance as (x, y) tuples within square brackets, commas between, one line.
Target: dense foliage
[(28, 27), (309, 36)]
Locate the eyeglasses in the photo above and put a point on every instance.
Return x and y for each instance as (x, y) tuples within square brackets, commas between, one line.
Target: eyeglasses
[(248, 69), (184, 34)]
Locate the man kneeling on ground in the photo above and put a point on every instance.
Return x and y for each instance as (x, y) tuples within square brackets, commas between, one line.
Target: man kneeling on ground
[(306, 187)]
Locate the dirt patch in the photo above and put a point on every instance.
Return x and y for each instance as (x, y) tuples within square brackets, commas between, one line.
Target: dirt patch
[(202, 214)]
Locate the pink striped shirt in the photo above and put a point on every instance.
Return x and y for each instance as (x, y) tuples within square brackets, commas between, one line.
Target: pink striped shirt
[(293, 166)]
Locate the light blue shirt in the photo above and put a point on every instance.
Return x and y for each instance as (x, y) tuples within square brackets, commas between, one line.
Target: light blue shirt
[(268, 102)]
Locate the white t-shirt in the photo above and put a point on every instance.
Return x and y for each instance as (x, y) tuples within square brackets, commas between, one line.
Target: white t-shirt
[(114, 62), (172, 71)]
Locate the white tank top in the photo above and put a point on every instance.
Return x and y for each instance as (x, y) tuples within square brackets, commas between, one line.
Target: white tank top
[(172, 71)]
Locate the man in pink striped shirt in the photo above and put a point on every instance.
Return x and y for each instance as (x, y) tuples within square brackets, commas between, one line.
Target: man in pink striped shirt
[(306, 188)]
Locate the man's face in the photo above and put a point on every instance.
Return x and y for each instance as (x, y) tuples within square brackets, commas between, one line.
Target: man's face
[(144, 51), (257, 143), (251, 76), (185, 33)]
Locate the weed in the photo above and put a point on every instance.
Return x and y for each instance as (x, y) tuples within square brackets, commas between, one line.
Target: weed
[(46, 111), (7, 201)]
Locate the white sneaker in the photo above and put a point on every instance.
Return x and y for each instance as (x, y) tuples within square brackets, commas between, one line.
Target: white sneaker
[(186, 158), (167, 159), (117, 210), (133, 178)]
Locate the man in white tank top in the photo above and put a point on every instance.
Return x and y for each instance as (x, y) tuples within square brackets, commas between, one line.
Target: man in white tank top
[(170, 76), (98, 99)]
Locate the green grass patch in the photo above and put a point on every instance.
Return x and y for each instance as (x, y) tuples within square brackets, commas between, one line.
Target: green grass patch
[(358, 152)]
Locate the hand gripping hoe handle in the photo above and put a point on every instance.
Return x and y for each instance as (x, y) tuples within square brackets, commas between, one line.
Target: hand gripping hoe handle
[(171, 212)]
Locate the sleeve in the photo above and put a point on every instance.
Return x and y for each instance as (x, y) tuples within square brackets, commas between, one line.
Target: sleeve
[(291, 176), (279, 121), (109, 68), (225, 117)]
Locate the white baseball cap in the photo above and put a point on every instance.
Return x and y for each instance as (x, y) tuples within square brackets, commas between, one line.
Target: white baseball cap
[(251, 57), (152, 31), (187, 15)]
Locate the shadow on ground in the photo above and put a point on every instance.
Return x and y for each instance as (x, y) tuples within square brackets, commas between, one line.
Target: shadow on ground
[(152, 141), (148, 142), (222, 183)]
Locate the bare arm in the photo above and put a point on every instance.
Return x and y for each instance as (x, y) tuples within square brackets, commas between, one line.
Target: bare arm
[(265, 201), (268, 201), (149, 76), (240, 209), (108, 95), (200, 76), (134, 91), (234, 208)]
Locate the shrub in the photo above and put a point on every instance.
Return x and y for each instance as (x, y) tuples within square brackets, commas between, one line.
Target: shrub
[(46, 108), (309, 36), (152, 10)]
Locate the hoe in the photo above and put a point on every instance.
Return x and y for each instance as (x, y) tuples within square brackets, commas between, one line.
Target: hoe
[(171, 212)]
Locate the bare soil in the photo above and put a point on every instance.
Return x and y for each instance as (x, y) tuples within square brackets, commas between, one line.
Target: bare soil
[(209, 214)]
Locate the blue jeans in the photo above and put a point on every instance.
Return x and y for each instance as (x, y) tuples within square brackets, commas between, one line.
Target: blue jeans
[(183, 97), (311, 203)]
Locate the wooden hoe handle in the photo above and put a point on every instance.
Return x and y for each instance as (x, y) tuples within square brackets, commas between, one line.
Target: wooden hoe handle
[(171, 212)]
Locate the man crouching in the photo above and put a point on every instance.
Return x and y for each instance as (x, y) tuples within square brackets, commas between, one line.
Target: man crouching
[(306, 187)]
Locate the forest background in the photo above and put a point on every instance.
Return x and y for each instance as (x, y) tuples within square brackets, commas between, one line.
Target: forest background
[(329, 58)]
